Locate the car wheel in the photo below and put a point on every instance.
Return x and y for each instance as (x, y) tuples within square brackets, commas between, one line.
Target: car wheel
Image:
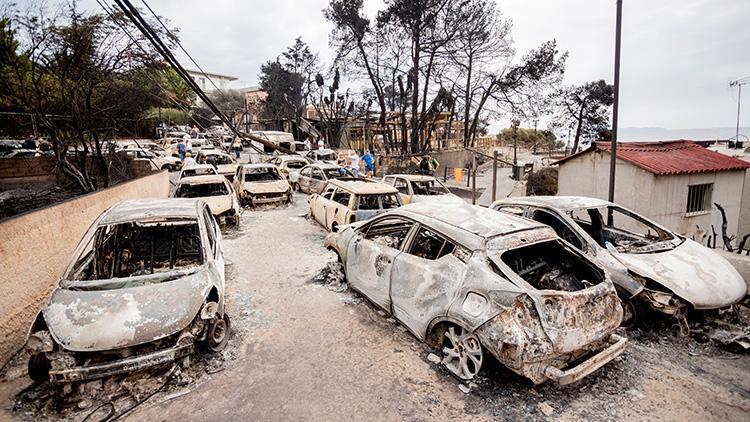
[(334, 227), (167, 167), (39, 367), (462, 352), (296, 187), (218, 334)]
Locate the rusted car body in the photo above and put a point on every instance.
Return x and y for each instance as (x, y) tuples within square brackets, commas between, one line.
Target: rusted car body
[(216, 191), (261, 184), (419, 187), (650, 263), (459, 277), (348, 200), (197, 170), (289, 166), (226, 165), (313, 178), (145, 286)]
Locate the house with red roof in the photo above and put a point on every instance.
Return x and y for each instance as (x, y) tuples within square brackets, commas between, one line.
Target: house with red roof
[(676, 183)]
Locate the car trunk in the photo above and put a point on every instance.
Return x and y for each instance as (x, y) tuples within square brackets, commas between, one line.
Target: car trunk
[(576, 303)]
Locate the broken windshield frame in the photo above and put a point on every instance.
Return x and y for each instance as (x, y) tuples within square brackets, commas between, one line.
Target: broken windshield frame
[(201, 190), (130, 254), (626, 231)]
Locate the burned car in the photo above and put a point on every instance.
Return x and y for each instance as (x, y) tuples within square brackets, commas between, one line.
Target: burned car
[(347, 200), (649, 263), (144, 288), (420, 187), (216, 191), (460, 278), (261, 184), (197, 170)]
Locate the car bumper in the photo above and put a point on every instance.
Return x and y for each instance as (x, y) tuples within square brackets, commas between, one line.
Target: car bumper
[(576, 373), (132, 364), (267, 198)]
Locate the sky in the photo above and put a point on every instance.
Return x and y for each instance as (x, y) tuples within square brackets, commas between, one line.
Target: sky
[(678, 56)]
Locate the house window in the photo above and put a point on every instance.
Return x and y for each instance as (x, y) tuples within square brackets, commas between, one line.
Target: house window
[(699, 197)]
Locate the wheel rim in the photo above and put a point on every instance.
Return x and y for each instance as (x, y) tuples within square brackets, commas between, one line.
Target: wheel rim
[(218, 333), (462, 353)]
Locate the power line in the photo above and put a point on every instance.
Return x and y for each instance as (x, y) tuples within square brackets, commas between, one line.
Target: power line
[(132, 13), (179, 44)]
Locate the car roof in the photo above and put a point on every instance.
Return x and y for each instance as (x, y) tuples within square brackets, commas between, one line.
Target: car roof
[(203, 179), (564, 203), (199, 166), (361, 187), (291, 157), (413, 177), (325, 166), (478, 222), (323, 151), (151, 209), (213, 151), (259, 166)]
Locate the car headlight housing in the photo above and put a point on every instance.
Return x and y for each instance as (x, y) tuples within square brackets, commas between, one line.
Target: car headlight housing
[(40, 342)]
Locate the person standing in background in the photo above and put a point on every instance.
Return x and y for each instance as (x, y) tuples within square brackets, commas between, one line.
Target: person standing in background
[(321, 143), (181, 150), (237, 147), (369, 163), (354, 163), (194, 131)]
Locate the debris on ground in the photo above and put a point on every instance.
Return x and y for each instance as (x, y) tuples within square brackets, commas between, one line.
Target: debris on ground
[(727, 328), (545, 408), (434, 358), (332, 276), (464, 389)]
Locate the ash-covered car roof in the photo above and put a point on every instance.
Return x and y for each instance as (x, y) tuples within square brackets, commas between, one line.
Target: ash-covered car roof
[(362, 187), (203, 179), (413, 177), (150, 209), (478, 221), (259, 166), (564, 203)]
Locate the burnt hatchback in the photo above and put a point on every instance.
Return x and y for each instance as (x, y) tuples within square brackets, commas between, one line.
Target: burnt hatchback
[(460, 278), (145, 286)]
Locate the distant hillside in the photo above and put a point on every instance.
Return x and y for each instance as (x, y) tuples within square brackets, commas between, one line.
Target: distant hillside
[(661, 134)]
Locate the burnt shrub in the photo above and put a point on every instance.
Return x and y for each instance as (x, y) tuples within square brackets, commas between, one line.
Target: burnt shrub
[(542, 182)]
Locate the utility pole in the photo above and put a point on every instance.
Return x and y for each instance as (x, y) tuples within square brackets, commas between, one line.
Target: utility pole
[(615, 106), (738, 83)]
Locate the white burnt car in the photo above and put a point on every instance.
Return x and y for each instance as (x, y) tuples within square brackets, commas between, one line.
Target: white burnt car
[(666, 271), (289, 166), (197, 170), (348, 200), (225, 164), (216, 191), (419, 188), (145, 286), (261, 184), (460, 278)]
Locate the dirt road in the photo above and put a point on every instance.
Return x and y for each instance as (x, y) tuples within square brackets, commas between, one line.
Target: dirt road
[(303, 352)]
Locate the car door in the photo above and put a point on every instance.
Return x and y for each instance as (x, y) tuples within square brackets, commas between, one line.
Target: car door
[(559, 225), (304, 179), (425, 279), (402, 185), (370, 255), (239, 177), (339, 210), (317, 180), (319, 205), (215, 248)]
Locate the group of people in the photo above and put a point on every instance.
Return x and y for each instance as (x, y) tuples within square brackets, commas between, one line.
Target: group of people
[(356, 161)]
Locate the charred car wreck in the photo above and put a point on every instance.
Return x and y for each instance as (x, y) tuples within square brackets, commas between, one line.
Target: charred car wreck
[(460, 278), (650, 264), (145, 287)]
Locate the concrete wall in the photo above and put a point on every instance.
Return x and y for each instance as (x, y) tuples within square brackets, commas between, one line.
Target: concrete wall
[(27, 169), (661, 198), (37, 246)]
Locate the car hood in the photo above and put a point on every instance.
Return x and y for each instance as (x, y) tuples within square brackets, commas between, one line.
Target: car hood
[(266, 187), (98, 320), (447, 198), (226, 168), (692, 272), (218, 204)]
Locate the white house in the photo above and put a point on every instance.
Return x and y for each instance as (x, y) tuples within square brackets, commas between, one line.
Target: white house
[(676, 183), (204, 79)]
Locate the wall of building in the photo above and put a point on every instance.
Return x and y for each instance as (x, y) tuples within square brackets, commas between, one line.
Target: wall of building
[(661, 198), (37, 246)]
